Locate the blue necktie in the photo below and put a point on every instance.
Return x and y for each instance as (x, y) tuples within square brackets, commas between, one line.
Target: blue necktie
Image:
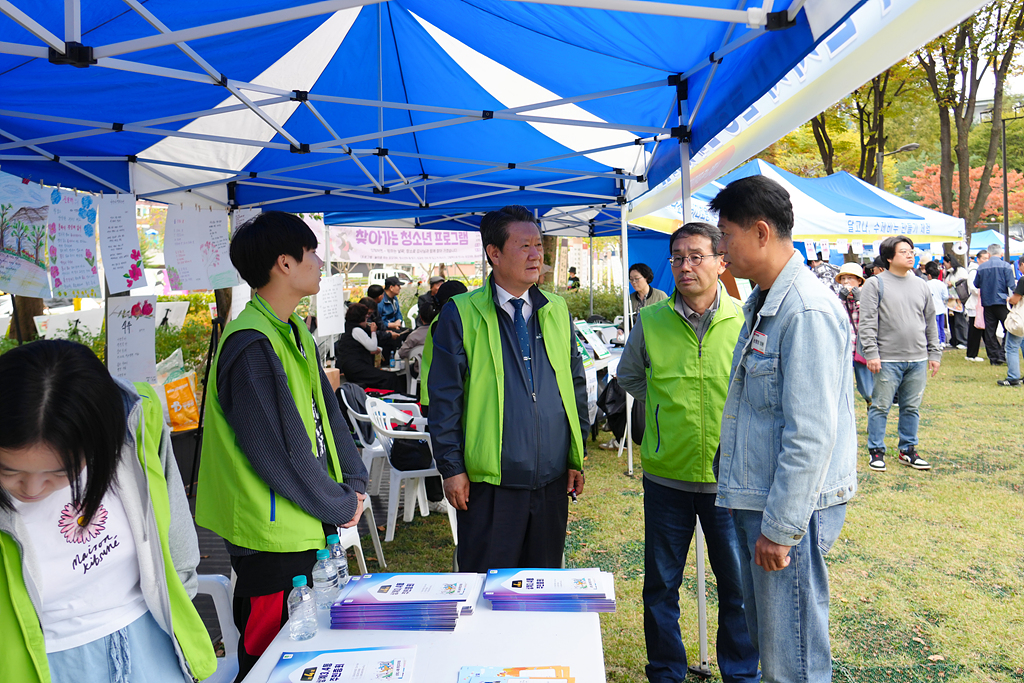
[(524, 337)]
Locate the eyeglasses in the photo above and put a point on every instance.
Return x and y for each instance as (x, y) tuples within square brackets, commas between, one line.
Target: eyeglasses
[(693, 259), (904, 252), (636, 279)]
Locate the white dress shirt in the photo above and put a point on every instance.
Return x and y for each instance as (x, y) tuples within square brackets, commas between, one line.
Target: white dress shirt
[(505, 299)]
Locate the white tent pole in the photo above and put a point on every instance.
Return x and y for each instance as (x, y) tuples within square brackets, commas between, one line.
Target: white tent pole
[(702, 607), (31, 25), (590, 271), (751, 17), (625, 332), (72, 21)]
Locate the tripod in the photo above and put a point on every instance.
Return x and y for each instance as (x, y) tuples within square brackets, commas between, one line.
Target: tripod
[(216, 328)]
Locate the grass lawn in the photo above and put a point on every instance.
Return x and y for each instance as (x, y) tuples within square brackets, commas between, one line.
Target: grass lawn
[(927, 578)]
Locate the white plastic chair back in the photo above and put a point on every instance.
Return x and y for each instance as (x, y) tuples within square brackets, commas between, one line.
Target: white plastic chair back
[(218, 587)]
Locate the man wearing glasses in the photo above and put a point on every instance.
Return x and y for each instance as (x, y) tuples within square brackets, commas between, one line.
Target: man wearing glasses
[(900, 340), (677, 361)]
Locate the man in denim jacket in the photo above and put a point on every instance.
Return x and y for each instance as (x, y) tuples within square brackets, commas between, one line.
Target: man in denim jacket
[(788, 444)]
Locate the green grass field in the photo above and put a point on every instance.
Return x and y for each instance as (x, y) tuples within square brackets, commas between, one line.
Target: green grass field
[(927, 578)]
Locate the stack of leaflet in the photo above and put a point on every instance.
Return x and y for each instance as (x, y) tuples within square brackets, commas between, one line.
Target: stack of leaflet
[(550, 590), (507, 674), (406, 602)]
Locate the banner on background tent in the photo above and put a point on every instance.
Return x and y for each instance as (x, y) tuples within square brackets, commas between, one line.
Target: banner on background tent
[(119, 239), (71, 251), (196, 249), (397, 245), (24, 208)]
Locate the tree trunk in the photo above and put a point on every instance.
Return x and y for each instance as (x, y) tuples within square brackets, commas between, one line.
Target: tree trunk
[(550, 254), (223, 299), (28, 308), (825, 148)]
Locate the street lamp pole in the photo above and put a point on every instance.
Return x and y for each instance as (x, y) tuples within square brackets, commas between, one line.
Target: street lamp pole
[(879, 178)]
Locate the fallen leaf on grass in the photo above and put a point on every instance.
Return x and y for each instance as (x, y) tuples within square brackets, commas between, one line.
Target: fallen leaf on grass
[(917, 640), (868, 600), (936, 658)]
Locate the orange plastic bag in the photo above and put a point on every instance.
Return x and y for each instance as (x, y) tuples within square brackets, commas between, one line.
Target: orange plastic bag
[(181, 403)]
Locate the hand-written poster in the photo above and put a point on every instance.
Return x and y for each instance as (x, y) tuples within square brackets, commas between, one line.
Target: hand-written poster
[(71, 228), (196, 249), (330, 306), (131, 338), (119, 239), (23, 211)]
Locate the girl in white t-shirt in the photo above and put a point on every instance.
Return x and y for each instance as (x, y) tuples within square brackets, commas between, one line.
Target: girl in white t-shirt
[(91, 507)]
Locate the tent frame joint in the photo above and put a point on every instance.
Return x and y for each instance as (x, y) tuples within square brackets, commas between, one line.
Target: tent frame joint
[(777, 21), (300, 95), (382, 190), (75, 54), (682, 133), (486, 114), (381, 152), (302, 148)]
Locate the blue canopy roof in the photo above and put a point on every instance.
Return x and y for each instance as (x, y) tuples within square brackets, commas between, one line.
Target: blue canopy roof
[(370, 109)]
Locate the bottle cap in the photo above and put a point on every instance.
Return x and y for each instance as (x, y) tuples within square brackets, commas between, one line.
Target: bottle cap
[(333, 538), (323, 554), (298, 581)]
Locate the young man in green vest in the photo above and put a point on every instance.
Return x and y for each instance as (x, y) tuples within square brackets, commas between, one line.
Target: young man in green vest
[(677, 361), (279, 470), (508, 406)]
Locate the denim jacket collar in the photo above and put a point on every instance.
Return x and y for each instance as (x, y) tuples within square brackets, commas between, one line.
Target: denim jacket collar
[(778, 290)]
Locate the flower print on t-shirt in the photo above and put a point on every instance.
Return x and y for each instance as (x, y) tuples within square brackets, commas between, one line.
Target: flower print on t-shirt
[(76, 529)]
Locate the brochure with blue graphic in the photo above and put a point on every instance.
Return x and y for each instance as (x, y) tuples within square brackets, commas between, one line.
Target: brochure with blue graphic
[(330, 666), (408, 602), (550, 590)]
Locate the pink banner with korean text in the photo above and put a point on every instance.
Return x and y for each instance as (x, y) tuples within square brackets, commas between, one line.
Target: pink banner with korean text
[(399, 245)]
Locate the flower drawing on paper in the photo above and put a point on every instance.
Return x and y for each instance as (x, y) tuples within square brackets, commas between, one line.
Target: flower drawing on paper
[(76, 529), (136, 255), (94, 270), (55, 197), (142, 310), (54, 271), (134, 273), (211, 254), (88, 230), (53, 253), (174, 278), (56, 282), (52, 229), (90, 258)]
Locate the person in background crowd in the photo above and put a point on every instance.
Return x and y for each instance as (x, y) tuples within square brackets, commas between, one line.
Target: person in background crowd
[(787, 463), (280, 471), (98, 549), (418, 337), (574, 281), (955, 273), (940, 294), (640, 277), (444, 294), (850, 283), (508, 405), (677, 361), (824, 271), (356, 349), (391, 329), (1013, 344), (899, 339), (429, 298), (995, 281), (974, 311)]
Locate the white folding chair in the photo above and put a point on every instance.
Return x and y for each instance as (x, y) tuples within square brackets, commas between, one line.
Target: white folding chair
[(382, 414), (412, 381), (414, 312), (372, 451), (218, 587)]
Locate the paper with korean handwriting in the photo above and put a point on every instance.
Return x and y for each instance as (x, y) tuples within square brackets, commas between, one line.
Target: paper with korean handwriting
[(196, 249), (131, 338), (71, 250), (119, 240)]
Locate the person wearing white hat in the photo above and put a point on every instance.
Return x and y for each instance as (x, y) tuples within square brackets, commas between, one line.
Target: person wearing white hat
[(850, 278)]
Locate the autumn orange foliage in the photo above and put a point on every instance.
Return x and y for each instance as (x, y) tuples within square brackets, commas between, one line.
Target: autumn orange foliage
[(925, 183)]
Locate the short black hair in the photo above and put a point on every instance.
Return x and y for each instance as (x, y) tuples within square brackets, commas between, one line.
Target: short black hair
[(58, 393), (369, 304), (644, 270), (260, 241), (494, 225), (356, 313), (374, 291), (887, 249), (754, 198), (712, 232), (447, 290), (932, 268), (426, 313)]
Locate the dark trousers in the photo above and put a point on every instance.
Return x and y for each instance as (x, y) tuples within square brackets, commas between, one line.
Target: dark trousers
[(957, 328), (974, 336), (994, 315), (505, 527), (260, 604), (670, 519)]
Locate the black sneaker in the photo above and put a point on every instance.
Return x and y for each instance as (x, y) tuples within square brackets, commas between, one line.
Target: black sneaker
[(910, 458), (877, 462), (1009, 382)]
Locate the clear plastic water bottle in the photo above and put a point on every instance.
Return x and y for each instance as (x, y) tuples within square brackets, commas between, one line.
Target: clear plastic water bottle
[(339, 557), (325, 579), (302, 623), (392, 362)]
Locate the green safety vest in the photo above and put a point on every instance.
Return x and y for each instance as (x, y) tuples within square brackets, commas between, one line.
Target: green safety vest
[(233, 501), (24, 658), (687, 383), (425, 359), (484, 393)]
